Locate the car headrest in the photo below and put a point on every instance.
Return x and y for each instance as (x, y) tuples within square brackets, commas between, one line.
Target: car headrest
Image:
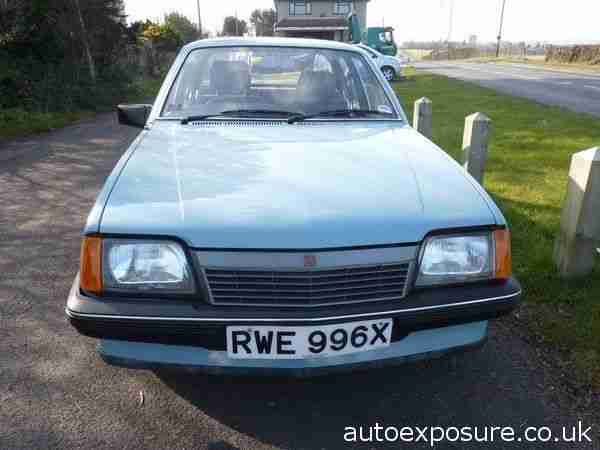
[(317, 84), (230, 77)]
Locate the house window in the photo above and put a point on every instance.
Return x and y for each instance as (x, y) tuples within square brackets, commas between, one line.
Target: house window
[(342, 7), (300, 7)]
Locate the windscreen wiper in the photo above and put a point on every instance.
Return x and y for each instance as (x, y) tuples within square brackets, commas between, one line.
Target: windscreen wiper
[(236, 112), (339, 112)]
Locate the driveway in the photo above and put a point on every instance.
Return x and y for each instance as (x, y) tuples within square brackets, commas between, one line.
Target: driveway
[(55, 392), (575, 91)]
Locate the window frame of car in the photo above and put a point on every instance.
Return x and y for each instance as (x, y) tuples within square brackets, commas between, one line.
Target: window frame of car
[(174, 72), (370, 51)]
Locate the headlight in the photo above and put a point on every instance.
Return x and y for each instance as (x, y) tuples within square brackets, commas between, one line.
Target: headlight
[(457, 258), (145, 266)]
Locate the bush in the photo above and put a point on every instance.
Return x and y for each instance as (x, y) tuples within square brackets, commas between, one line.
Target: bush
[(585, 54), (58, 55), (61, 57)]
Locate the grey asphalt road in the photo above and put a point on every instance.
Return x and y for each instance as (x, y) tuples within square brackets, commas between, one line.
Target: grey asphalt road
[(55, 392), (575, 91)]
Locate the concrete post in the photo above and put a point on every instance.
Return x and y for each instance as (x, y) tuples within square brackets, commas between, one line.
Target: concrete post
[(422, 117), (576, 246), (475, 144)]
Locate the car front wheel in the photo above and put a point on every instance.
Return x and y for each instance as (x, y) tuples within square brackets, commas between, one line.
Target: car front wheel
[(389, 73)]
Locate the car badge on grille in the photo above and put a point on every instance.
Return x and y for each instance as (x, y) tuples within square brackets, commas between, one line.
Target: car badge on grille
[(310, 261)]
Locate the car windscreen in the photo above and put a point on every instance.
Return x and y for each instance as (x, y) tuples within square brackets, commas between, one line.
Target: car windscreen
[(286, 79)]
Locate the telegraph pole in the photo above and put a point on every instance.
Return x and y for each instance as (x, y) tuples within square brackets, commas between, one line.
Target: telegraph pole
[(450, 25), (500, 30), (451, 20), (199, 20)]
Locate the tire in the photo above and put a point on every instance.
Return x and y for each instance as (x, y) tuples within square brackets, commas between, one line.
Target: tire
[(389, 73)]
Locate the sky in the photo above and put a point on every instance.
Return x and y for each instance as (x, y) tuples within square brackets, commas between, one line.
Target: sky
[(525, 20)]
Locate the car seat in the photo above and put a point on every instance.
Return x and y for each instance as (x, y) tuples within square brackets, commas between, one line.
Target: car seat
[(317, 91), (230, 77)]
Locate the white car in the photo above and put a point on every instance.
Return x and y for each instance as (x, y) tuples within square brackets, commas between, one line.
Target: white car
[(391, 66)]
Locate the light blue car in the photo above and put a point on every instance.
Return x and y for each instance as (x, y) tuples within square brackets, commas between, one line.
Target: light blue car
[(286, 221)]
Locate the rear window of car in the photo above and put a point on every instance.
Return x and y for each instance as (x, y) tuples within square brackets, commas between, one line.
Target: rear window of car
[(298, 80)]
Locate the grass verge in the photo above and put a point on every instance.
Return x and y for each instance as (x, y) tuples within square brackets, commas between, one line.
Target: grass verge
[(416, 54), (527, 173), (16, 122), (19, 122), (144, 89), (540, 62)]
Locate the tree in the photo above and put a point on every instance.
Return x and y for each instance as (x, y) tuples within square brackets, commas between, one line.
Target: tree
[(182, 25), (164, 37), (85, 42), (263, 21), (134, 31), (61, 55), (106, 29), (232, 26)]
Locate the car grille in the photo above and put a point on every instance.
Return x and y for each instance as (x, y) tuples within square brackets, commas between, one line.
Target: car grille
[(306, 288)]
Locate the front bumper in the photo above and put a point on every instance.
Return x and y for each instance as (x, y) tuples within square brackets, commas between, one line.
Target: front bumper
[(151, 333), (426, 344)]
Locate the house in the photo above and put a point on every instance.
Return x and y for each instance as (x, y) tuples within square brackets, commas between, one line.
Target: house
[(320, 19)]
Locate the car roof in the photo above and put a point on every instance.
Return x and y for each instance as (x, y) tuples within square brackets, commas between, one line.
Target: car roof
[(366, 47), (270, 42)]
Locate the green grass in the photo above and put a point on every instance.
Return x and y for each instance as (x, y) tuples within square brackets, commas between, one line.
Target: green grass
[(526, 174), (20, 122), (416, 54), (144, 89)]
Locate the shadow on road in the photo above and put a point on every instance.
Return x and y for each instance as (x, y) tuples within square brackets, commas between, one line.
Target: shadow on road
[(309, 412), (483, 387)]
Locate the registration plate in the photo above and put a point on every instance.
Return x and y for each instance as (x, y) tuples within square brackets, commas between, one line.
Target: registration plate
[(262, 342)]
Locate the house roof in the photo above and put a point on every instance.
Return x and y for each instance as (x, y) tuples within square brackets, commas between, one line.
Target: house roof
[(312, 23)]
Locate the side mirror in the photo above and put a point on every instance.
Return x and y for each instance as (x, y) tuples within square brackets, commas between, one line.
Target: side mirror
[(134, 115)]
